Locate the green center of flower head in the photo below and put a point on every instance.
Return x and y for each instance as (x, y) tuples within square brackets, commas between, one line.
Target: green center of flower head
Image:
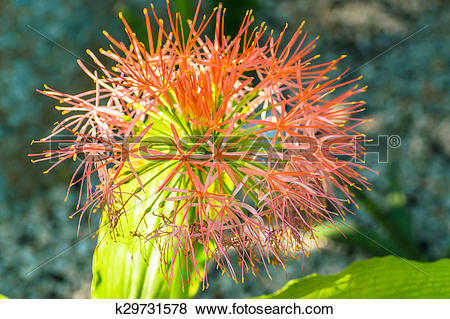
[(237, 144)]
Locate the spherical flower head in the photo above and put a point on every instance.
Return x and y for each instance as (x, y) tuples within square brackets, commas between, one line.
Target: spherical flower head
[(246, 142)]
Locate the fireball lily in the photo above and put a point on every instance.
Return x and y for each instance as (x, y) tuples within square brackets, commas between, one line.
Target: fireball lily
[(237, 130)]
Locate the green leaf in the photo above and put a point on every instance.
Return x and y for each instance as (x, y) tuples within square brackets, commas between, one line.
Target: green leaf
[(386, 277), (128, 267), (3, 297)]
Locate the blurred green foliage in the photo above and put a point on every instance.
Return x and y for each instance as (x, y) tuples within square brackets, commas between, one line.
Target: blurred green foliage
[(235, 11)]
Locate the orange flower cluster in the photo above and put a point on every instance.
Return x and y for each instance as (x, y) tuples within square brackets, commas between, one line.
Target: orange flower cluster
[(262, 143)]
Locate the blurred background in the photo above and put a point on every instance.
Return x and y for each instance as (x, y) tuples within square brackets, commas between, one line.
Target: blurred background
[(401, 47)]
